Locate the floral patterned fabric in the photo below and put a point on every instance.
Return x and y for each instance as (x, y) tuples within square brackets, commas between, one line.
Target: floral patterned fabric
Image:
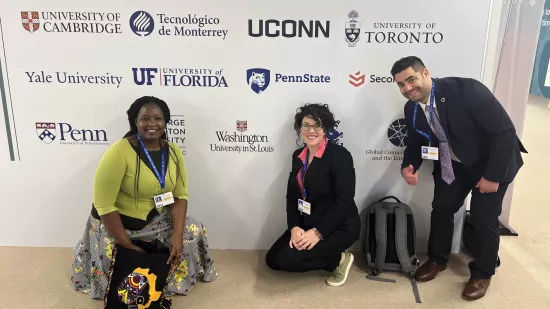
[(93, 254)]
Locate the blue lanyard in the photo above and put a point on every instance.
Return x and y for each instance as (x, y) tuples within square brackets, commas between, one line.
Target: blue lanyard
[(160, 177), (432, 99), (304, 169)]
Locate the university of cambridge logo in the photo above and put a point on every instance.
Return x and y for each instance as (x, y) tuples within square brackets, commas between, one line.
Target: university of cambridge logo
[(30, 21)]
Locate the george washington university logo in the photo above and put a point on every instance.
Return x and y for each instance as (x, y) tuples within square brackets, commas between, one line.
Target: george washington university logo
[(242, 125), (31, 21), (46, 131)]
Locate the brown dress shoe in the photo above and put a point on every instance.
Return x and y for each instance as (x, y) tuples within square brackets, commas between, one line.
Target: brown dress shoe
[(428, 271), (476, 288)]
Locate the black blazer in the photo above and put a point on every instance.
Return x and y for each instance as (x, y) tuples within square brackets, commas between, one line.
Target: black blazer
[(479, 131), (330, 185)]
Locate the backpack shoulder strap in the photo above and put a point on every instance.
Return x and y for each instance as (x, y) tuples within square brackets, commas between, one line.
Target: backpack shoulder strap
[(381, 238), (401, 241), (401, 248), (381, 216)]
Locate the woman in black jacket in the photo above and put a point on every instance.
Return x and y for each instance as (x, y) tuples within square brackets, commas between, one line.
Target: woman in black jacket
[(323, 220)]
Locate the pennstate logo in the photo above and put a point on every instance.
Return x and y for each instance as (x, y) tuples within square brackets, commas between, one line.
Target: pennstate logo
[(242, 125), (30, 21), (46, 131), (258, 79)]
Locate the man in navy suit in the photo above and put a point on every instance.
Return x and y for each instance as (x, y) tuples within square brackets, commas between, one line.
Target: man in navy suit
[(459, 125)]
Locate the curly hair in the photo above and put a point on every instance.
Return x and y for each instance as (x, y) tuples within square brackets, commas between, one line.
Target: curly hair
[(318, 112)]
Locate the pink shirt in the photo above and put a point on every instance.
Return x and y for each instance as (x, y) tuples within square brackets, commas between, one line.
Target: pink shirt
[(303, 157)]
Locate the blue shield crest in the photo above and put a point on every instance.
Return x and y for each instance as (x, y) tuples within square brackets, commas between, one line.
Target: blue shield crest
[(258, 79)]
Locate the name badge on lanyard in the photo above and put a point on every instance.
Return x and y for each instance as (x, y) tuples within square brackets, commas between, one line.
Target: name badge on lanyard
[(166, 198), (303, 206), (429, 153)]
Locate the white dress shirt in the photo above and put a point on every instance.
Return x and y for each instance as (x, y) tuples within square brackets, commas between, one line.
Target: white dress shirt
[(426, 109)]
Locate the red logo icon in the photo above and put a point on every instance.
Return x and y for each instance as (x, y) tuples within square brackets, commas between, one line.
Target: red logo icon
[(357, 79), (241, 125), (31, 21)]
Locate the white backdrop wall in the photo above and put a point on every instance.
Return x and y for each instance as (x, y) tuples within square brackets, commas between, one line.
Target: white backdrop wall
[(240, 196)]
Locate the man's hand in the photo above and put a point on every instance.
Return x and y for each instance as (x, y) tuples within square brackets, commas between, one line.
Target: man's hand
[(176, 248), (310, 239), (296, 234), (486, 186), (410, 176)]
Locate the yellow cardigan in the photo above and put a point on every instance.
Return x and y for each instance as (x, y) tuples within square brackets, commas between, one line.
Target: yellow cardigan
[(114, 181)]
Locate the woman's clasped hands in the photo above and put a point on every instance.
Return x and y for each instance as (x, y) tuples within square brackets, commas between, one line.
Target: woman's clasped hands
[(302, 240)]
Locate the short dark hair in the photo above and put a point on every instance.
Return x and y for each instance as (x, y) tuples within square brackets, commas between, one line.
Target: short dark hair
[(319, 112), (406, 62)]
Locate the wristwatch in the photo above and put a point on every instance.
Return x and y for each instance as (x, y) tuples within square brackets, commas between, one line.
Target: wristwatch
[(320, 236)]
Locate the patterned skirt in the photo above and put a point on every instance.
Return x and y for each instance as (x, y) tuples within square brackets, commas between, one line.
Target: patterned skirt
[(93, 253)]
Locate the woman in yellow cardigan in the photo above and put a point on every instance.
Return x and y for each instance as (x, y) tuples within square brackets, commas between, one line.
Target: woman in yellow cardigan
[(140, 192)]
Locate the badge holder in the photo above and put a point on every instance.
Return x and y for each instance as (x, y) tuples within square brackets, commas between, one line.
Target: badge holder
[(430, 153)]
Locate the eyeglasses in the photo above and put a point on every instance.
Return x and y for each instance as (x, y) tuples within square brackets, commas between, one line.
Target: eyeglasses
[(306, 127)]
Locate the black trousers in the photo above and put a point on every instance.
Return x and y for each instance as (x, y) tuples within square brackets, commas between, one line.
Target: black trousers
[(485, 208), (324, 256)]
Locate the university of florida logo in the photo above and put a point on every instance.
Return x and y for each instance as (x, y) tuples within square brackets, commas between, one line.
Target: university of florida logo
[(258, 79)]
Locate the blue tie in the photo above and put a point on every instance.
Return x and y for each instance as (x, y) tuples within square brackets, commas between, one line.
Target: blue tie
[(444, 150)]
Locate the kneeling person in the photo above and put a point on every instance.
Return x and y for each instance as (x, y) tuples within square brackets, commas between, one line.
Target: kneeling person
[(323, 220)]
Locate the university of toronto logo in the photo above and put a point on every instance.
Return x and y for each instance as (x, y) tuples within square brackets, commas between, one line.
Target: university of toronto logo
[(30, 21), (353, 29)]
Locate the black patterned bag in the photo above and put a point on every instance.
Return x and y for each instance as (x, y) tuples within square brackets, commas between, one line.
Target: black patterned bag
[(138, 280)]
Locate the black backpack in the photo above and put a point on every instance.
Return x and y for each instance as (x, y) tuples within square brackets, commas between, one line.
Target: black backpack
[(389, 243)]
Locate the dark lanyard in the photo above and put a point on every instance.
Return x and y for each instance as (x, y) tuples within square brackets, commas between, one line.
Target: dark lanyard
[(432, 99), (160, 177), (302, 177)]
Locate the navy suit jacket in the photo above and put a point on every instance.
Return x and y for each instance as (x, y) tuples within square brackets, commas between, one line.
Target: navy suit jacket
[(480, 132)]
